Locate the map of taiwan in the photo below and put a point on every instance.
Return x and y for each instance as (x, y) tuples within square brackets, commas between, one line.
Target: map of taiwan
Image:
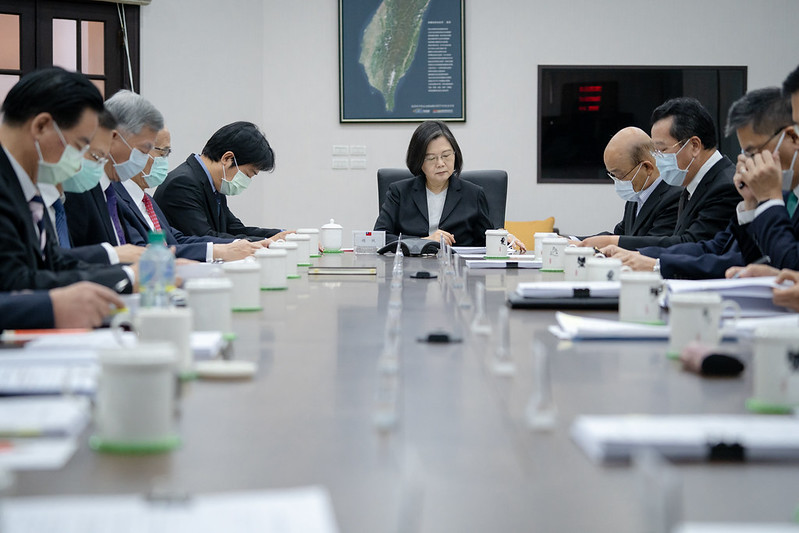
[(389, 44)]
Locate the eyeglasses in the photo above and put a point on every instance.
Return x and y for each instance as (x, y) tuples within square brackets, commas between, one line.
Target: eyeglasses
[(678, 143), (164, 151), (611, 176), (751, 153), (97, 157), (446, 156)]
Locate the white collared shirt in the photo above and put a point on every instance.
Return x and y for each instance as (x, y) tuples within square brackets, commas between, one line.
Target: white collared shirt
[(712, 160), (646, 193)]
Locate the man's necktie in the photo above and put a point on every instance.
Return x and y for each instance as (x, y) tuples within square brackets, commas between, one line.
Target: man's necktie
[(36, 205), (791, 205), (683, 200), (111, 203), (148, 205), (61, 228)]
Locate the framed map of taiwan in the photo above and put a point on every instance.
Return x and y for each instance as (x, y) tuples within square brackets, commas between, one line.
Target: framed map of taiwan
[(401, 60)]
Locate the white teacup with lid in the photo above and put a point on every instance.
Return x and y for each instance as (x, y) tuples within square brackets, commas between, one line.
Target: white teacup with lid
[(273, 268), (291, 257), (246, 278), (313, 233), (303, 247), (209, 298), (332, 235)]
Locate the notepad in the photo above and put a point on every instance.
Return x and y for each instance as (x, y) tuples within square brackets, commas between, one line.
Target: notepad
[(61, 416), (510, 263), (569, 289), (688, 437)]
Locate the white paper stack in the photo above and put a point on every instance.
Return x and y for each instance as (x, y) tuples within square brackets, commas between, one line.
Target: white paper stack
[(574, 327), (569, 289), (687, 437), (753, 295)]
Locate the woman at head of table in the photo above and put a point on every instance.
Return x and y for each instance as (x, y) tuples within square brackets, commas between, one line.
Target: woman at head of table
[(435, 203)]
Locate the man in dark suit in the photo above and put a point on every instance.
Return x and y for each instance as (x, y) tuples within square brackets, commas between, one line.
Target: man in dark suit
[(80, 305), (49, 116), (96, 216), (142, 214), (754, 118), (685, 137), (194, 195), (651, 207)]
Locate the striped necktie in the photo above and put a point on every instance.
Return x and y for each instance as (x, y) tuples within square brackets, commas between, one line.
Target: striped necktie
[(111, 203), (148, 205), (36, 205), (61, 228), (791, 205)]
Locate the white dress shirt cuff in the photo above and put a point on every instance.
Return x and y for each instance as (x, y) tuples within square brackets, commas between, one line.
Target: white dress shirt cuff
[(209, 252), (744, 216), (131, 275), (770, 203), (113, 256)]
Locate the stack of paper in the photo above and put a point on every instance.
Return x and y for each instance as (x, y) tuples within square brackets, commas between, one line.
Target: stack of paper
[(514, 261), (40, 433), (569, 289), (573, 327), (302, 510), (688, 437), (753, 295)]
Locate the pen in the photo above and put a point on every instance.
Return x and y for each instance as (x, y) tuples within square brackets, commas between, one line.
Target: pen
[(765, 260)]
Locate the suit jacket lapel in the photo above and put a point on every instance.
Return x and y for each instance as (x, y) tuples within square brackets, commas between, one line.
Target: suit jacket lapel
[(453, 198), (98, 195), (125, 196), (419, 195), (699, 193), (21, 205), (210, 198), (646, 210)]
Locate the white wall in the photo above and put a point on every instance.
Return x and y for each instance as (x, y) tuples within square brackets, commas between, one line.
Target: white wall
[(275, 62)]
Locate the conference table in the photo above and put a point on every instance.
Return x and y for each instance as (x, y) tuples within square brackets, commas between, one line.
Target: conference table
[(461, 455)]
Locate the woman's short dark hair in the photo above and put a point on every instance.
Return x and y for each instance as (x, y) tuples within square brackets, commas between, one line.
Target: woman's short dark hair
[(426, 133), (63, 94), (690, 119), (247, 143)]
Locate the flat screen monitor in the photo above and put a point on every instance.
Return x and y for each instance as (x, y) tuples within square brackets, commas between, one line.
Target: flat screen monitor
[(581, 107)]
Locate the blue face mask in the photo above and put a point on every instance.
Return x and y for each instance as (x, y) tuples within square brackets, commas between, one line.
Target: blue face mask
[(670, 171), (86, 178), (624, 188), (158, 172)]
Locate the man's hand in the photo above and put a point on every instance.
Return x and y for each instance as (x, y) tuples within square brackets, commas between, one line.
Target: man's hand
[(516, 243), (449, 238), (600, 241), (788, 297), (282, 234), (129, 253), (266, 243), (83, 305), (612, 251), (236, 250), (750, 202), (751, 271), (763, 175)]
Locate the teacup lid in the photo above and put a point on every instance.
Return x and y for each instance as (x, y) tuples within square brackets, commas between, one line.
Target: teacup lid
[(145, 353), (695, 298), (496, 232), (644, 277), (271, 252), (302, 231), (282, 245), (297, 237), (542, 234), (555, 240), (243, 266), (777, 334), (578, 250), (605, 260), (332, 225), (207, 284)]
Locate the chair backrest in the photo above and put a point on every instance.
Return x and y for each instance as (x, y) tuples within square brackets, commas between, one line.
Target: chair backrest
[(493, 182)]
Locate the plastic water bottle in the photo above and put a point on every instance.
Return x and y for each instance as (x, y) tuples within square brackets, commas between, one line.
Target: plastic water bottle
[(156, 272)]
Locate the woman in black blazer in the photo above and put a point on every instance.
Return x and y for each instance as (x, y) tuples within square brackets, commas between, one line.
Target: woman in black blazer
[(436, 202)]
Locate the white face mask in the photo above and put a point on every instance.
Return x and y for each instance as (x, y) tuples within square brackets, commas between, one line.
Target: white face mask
[(67, 166), (235, 186), (787, 175), (134, 165), (624, 188), (670, 171)]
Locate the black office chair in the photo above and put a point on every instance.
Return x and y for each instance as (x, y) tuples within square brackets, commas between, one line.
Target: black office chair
[(493, 182)]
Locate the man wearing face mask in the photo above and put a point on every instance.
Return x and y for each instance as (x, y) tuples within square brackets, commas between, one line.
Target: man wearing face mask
[(754, 118), (193, 197), (770, 174), (87, 177), (96, 216), (49, 119), (651, 207), (143, 214)]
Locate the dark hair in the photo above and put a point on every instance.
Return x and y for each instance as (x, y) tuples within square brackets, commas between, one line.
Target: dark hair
[(107, 120), (791, 83), (426, 133), (767, 110), (247, 143), (63, 94), (690, 119)]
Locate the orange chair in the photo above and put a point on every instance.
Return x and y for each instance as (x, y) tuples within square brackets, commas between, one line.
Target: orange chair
[(525, 230)]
